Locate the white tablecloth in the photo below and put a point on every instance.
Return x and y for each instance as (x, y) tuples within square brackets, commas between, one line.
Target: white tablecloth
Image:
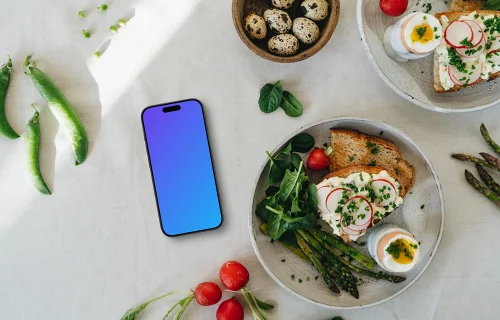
[(94, 248)]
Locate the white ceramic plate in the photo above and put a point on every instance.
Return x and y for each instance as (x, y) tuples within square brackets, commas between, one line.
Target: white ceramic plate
[(414, 80), (425, 224)]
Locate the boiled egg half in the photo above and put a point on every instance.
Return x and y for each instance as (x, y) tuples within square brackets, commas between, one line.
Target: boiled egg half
[(398, 252), (421, 33)]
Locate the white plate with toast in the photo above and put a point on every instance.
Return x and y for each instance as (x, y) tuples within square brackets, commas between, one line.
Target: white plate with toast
[(422, 214), (415, 80)]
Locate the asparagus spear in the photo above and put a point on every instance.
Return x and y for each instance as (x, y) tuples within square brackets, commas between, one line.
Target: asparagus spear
[(322, 270), (466, 157), (340, 245), (380, 275), (492, 160), (481, 188), (344, 277), (294, 249), (487, 138), (490, 183)]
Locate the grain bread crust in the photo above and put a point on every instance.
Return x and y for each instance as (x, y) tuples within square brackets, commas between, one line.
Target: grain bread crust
[(469, 5), (352, 148), (453, 16)]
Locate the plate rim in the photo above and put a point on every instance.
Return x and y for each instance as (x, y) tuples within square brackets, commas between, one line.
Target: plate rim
[(406, 96), (434, 175)]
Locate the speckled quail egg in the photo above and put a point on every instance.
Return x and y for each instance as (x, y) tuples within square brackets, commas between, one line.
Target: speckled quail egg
[(282, 4), (306, 30), (316, 10), (278, 20), (283, 44), (255, 26)]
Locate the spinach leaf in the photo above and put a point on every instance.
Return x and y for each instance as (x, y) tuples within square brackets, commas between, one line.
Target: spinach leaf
[(296, 160), (277, 169), (287, 150), (270, 97), (295, 205), (271, 191), (312, 198), (261, 210), (289, 238), (263, 305), (292, 106), (303, 142), (492, 5), (289, 182), (280, 223)]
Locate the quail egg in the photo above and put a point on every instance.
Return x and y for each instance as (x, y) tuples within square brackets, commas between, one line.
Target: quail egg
[(278, 20), (282, 4), (283, 45), (306, 30), (316, 10), (255, 26)]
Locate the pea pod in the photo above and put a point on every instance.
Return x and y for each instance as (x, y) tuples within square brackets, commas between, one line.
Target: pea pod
[(32, 146), (5, 128), (61, 108)]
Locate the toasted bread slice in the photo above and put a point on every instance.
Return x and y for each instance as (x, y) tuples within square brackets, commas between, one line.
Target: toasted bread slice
[(353, 148), (453, 16), (469, 5)]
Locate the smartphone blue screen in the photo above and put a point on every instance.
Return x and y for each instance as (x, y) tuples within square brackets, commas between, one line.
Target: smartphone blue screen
[(181, 167)]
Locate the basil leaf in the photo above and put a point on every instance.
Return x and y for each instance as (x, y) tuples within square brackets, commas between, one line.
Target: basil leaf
[(492, 5), (303, 142), (296, 160), (270, 97), (292, 106), (277, 170), (263, 305), (271, 191)]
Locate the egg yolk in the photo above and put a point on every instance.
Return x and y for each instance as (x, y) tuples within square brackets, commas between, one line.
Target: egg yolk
[(402, 251), (422, 33)]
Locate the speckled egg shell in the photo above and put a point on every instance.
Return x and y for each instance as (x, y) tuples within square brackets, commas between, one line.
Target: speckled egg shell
[(255, 26), (278, 20), (282, 4), (316, 10), (306, 30), (283, 45)]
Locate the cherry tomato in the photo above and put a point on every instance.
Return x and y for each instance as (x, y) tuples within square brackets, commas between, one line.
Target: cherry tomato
[(230, 310), (393, 8), (207, 294), (234, 275)]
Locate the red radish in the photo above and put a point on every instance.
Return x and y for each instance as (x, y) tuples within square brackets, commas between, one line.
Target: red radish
[(234, 275), (322, 194), (333, 198), (456, 32), (363, 214), (477, 32), (495, 45), (465, 78), (378, 185), (317, 160), (207, 294), (477, 50), (452, 76), (393, 8), (230, 309), (349, 231)]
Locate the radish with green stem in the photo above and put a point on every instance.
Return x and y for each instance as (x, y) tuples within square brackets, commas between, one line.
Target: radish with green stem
[(61, 108)]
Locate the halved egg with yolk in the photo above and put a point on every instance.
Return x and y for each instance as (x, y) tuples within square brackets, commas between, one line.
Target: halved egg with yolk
[(422, 33)]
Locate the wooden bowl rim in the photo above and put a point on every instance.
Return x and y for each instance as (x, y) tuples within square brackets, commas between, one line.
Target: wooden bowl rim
[(323, 40)]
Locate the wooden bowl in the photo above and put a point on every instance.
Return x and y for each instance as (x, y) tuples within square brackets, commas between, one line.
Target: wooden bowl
[(241, 8)]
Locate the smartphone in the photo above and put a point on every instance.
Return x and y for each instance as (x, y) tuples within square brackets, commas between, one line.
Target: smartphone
[(181, 167)]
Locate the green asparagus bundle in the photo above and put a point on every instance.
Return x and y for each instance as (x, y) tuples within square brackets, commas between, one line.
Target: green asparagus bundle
[(488, 180), (482, 188), (492, 160), (469, 158), (487, 138)]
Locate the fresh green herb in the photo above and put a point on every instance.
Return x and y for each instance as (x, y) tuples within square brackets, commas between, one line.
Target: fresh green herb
[(300, 280), (113, 29), (422, 206), (362, 215), (476, 16), (82, 14), (102, 7), (308, 278), (437, 36), (85, 33), (394, 249), (272, 241), (122, 22), (293, 277), (303, 142), (425, 18), (316, 278), (361, 177), (421, 31), (351, 158), (372, 163), (270, 97), (291, 106), (428, 7), (373, 147), (283, 260), (435, 29), (466, 43), (456, 61), (472, 51), (337, 318)]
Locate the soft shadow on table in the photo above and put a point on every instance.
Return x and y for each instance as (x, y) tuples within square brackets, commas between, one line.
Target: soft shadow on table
[(48, 145)]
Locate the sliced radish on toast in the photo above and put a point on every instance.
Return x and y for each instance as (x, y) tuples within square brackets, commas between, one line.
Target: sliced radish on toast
[(385, 192), (461, 78), (322, 193), (334, 197), (456, 32), (477, 32), (361, 211), (472, 52)]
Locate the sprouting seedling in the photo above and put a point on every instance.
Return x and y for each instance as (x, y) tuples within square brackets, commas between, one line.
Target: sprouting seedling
[(85, 33), (82, 14), (102, 7), (113, 29), (97, 55), (122, 22)]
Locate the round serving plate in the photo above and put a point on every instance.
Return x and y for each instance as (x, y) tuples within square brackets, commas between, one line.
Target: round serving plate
[(426, 224), (414, 80)]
